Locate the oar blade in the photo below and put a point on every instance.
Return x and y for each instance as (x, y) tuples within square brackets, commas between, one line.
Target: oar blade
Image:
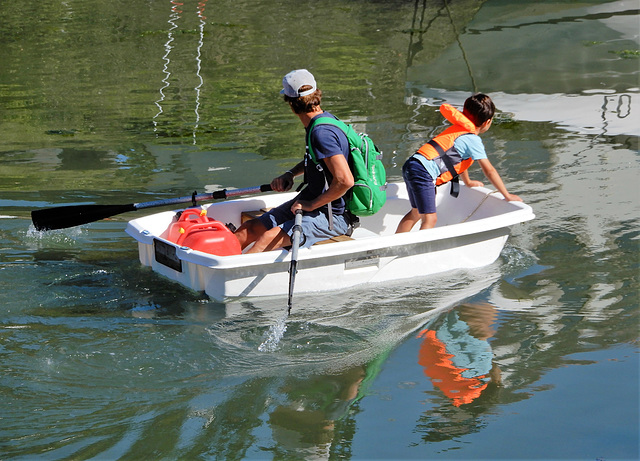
[(74, 215)]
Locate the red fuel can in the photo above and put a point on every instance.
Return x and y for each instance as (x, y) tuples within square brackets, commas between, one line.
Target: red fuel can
[(197, 231), (187, 218)]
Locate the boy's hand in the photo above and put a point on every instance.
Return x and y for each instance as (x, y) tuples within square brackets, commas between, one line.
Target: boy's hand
[(468, 181), (474, 183), (512, 198)]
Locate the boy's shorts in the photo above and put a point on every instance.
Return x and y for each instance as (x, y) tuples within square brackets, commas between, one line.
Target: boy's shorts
[(315, 225), (420, 186)]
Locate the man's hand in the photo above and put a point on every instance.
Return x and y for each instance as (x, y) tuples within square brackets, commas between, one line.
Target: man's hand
[(303, 205), (282, 183)]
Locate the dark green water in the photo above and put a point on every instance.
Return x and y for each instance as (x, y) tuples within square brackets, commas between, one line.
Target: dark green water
[(120, 102)]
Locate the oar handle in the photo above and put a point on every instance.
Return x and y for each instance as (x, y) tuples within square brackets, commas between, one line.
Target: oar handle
[(219, 194), (293, 268), (297, 231)]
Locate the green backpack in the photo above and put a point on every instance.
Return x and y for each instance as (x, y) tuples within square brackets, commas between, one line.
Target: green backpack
[(369, 192)]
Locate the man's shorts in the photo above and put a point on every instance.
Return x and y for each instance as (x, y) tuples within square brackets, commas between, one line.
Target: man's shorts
[(315, 225), (420, 186)]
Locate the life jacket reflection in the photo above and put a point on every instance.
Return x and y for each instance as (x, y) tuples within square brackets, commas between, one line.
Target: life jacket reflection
[(457, 363)]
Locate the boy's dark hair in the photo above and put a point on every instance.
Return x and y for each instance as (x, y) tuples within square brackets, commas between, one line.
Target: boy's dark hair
[(304, 104), (479, 108)]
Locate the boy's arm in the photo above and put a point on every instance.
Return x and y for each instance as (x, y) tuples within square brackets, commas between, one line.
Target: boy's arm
[(493, 176), (468, 181)]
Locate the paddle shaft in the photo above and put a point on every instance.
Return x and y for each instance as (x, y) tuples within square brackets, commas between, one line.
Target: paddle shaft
[(293, 269), (217, 195), (74, 215)]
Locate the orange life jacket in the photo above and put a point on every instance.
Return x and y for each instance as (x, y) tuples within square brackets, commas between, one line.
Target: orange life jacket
[(442, 151)]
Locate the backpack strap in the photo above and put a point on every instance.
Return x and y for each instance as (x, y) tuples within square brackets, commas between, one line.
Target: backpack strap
[(348, 132), (455, 184), (331, 121)]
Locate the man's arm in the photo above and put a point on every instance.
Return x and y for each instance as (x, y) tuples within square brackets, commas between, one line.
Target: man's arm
[(341, 183)]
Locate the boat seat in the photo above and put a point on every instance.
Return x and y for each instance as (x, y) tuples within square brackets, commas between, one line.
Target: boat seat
[(337, 238), (247, 215)]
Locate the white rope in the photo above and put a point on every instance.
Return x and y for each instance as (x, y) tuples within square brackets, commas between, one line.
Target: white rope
[(479, 205)]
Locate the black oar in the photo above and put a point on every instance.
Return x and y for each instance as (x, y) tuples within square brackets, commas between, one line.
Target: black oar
[(293, 269), (73, 215)]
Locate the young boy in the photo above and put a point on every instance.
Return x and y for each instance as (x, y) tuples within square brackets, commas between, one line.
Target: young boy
[(445, 157)]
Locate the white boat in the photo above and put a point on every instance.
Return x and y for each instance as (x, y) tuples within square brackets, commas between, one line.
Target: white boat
[(471, 232)]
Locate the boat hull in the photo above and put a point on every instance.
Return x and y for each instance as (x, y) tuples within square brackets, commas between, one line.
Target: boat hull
[(471, 232)]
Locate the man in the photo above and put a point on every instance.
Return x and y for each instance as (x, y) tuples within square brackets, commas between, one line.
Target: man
[(321, 200)]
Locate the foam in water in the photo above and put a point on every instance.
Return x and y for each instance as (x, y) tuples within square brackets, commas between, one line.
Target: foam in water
[(53, 236), (274, 335)]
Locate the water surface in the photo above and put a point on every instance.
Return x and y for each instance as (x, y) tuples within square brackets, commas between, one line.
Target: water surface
[(120, 102)]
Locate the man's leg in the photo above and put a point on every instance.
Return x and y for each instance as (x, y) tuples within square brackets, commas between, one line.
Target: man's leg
[(249, 232), (270, 240)]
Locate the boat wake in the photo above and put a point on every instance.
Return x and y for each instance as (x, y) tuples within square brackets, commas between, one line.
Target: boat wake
[(333, 331)]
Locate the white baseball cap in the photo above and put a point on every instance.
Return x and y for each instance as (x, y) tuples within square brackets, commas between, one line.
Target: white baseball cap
[(296, 79)]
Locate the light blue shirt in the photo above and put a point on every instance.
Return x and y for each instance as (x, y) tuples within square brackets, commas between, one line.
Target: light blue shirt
[(468, 145)]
